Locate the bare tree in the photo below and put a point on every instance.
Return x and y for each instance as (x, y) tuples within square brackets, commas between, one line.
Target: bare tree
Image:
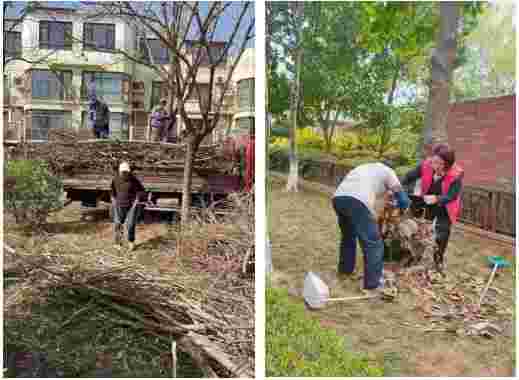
[(202, 38), (206, 38)]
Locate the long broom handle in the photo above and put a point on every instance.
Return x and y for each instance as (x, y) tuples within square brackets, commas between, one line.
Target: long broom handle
[(351, 298), (484, 293)]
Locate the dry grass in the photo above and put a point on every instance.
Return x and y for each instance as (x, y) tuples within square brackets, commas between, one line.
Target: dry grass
[(155, 289), (305, 237)]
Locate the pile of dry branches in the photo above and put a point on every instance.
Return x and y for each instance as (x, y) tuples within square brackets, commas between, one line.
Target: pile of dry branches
[(210, 316), (66, 152)]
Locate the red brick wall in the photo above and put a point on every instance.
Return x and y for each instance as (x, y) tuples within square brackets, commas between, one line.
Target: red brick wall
[(483, 134)]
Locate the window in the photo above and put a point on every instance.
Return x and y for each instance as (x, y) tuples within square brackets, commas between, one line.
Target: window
[(13, 44), (6, 89), (156, 92), (108, 86), (159, 52), (51, 85), (215, 51), (203, 89), (55, 35), (42, 121), (118, 125), (246, 94), (99, 36)]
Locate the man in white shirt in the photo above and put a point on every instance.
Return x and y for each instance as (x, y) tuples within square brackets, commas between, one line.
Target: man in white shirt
[(354, 202)]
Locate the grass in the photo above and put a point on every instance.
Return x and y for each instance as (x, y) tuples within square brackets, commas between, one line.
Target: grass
[(72, 344), (305, 238), (298, 346)]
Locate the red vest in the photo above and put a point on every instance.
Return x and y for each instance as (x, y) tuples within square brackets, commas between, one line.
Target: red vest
[(453, 207)]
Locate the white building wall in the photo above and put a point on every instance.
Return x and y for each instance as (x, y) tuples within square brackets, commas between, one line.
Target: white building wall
[(79, 60)]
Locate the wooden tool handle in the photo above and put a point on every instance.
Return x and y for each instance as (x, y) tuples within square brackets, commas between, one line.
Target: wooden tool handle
[(484, 293), (351, 298)]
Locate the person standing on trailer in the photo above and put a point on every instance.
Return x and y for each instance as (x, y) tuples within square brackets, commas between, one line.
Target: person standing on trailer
[(159, 120), (98, 114)]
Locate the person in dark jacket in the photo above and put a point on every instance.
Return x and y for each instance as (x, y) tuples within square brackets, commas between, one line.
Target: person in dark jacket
[(99, 117), (127, 190), (440, 189)]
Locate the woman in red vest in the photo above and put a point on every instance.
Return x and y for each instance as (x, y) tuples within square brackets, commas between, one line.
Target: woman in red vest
[(441, 184)]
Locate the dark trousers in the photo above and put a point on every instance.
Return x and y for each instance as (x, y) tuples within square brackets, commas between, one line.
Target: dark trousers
[(122, 215), (101, 132), (357, 222), (442, 231)]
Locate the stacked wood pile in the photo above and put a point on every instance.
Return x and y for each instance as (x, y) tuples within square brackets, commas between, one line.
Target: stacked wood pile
[(67, 155)]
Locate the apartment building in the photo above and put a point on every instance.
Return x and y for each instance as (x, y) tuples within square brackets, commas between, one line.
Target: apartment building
[(52, 92)]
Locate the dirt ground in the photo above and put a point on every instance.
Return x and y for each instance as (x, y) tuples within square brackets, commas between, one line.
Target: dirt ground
[(305, 237)]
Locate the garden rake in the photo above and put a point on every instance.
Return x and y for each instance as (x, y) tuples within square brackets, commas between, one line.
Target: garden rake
[(496, 262)]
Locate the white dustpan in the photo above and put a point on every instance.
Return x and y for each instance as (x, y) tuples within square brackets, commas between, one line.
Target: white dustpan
[(317, 294)]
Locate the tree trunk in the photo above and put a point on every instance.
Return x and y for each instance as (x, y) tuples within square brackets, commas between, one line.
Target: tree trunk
[(293, 174), (186, 185), (327, 137), (385, 136), (328, 128), (442, 61)]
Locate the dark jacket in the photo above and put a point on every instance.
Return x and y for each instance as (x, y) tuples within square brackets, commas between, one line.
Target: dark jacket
[(126, 190), (99, 113)]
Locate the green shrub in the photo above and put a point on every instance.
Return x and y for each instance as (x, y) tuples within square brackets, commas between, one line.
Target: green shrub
[(309, 160), (298, 346), (306, 138), (345, 143), (35, 192)]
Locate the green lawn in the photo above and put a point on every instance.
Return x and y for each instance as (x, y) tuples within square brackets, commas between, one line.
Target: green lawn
[(297, 345)]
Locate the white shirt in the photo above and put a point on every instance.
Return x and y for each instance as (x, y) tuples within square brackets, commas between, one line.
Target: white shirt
[(367, 183)]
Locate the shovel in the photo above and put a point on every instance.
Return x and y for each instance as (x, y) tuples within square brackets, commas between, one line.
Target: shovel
[(317, 294), (496, 262)]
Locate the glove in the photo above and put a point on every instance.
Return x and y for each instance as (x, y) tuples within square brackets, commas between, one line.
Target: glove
[(402, 199)]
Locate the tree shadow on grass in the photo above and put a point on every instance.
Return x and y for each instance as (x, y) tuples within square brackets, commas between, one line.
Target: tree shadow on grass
[(73, 332)]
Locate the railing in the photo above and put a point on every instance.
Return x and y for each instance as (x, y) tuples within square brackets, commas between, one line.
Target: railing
[(491, 209)]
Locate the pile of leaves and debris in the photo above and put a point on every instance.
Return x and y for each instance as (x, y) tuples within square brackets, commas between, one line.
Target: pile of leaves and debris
[(450, 303), (208, 312)]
